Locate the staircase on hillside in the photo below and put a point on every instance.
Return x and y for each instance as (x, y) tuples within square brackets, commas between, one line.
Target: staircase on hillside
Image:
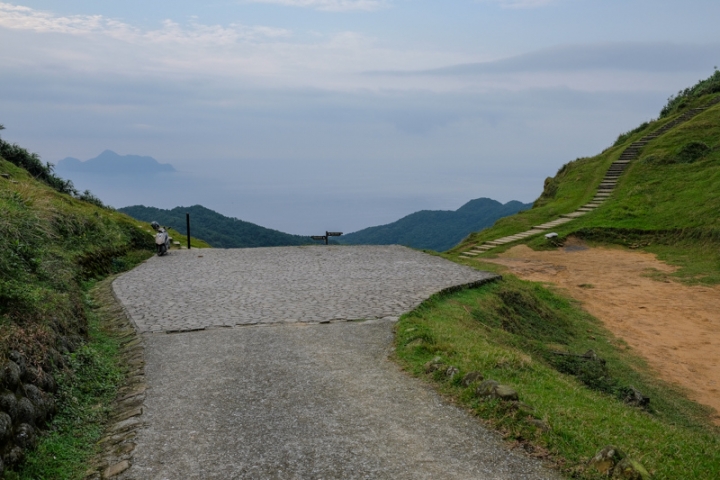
[(604, 190)]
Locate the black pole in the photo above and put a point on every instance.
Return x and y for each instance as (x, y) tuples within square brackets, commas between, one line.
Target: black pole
[(327, 237), (187, 219)]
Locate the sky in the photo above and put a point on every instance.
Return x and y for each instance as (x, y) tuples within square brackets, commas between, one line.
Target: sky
[(314, 115)]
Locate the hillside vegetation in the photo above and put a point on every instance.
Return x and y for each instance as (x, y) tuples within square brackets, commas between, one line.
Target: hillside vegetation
[(54, 242), (436, 230), (575, 379), (217, 229), (667, 201)]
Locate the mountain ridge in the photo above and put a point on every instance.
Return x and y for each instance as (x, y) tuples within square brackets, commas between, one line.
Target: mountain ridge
[(215, 228), (437, 230)]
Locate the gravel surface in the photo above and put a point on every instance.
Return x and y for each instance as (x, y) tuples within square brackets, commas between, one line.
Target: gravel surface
[(192, 289), (292, 399)]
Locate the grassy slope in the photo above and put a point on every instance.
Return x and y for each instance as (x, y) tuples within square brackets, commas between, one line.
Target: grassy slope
[(51, 247), (668, 208), (464, 329), (674, 205)]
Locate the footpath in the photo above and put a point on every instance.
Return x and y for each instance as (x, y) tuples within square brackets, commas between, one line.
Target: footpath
[(273, 364)]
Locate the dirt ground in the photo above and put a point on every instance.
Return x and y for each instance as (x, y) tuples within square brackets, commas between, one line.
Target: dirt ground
[(674, 326)]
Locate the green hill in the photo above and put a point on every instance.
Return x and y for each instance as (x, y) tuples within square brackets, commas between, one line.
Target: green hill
[(666, 201), (216, 229), (436, 230), (576, 377), (59, 367)]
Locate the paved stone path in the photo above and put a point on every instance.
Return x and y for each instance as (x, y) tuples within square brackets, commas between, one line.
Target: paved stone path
[(195, 289), (298, 400)]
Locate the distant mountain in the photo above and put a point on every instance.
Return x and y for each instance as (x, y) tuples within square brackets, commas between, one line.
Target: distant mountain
[(110, 163), (216, 229), (437, 230)]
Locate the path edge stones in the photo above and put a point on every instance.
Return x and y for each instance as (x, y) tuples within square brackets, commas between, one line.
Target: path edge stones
[(116, 445)]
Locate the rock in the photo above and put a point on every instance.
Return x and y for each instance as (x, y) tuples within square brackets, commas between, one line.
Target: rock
[(493, 389), (11, 374), (629, 469), (14, 456), (25, 436), (19, 359), (634, 397), (591, 355), (471, 378), (606, 459), (25, 411), (37, 398), (486, 388), (8, 404), (48, 383), (541, 425), (451, 372), (503, 392), (2, 468), (434, 365), (5, 426), (116, 469)]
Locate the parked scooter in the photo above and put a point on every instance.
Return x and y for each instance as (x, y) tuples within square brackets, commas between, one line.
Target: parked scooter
[(162, 239)]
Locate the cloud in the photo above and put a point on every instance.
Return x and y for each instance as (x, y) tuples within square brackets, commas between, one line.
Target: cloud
[(521, 4), (23, 18), (638, 57), (329, 5)]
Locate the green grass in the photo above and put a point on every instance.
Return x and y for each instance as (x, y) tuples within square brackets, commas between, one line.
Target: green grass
[(667, 199), (507, 331), (86, 391), (51, 245)]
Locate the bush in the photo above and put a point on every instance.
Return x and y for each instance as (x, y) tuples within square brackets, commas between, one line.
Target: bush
[(692, 151), (622, 138), (703, 87)]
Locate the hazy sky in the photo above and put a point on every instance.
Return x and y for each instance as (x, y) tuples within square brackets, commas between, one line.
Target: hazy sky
[(306, 115)]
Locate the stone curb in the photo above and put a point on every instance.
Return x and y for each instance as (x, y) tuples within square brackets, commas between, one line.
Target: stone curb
[(117, 444)]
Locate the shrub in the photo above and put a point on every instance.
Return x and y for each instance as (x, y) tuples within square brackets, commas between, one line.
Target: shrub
[(703, 87), (622, 138), (692, 151)]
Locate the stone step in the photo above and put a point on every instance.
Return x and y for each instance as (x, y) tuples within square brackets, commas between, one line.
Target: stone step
[(552, 224), (573, 214), (469, 254)]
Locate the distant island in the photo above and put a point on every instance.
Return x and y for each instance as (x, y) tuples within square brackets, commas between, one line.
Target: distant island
[(437, 230), (111, 163), (217, 229)]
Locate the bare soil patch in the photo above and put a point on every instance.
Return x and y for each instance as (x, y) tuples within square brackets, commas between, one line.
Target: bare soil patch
[(674, 326)]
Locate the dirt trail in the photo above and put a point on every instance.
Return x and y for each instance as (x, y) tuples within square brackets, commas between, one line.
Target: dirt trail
[(674, 326)]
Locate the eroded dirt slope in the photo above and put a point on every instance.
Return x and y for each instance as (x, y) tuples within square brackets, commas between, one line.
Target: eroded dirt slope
[(674, 326)]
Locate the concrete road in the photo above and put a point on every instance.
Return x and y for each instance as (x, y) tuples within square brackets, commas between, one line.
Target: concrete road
[(289, 399)]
